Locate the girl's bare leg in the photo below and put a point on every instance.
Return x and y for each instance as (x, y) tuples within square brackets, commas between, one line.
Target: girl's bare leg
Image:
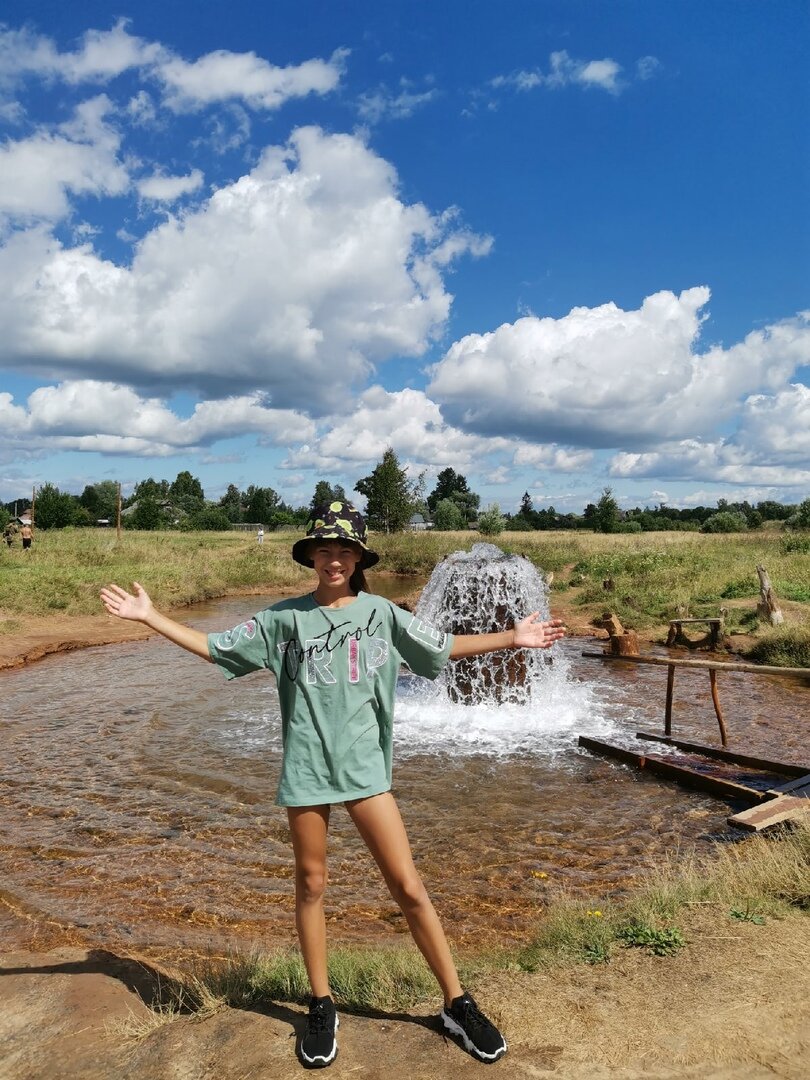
[(379, 823), (309, 826)]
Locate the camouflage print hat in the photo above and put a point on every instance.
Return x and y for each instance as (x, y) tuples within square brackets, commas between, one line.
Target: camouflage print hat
[(335, 521)]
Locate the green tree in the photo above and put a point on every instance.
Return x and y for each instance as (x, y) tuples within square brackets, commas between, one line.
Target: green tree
[(147, 514), (54, 508), (186, 493), (448, 517), (492, 521), (801, 518), (149, 489), (231, 503), (389, 494), (100, 500), (451, 485), (261, 504), (606, 518), (326, 493)]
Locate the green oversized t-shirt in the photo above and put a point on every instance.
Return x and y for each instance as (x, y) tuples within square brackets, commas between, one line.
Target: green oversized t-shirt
[(336, 670)]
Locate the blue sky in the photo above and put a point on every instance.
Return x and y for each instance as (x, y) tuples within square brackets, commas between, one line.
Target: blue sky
[(557, 246)]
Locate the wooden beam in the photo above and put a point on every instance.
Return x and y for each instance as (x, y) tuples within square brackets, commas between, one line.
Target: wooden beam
[(599, 746), (663, 661), (729, 755), (715, 785), (800, 788), (770, 813)]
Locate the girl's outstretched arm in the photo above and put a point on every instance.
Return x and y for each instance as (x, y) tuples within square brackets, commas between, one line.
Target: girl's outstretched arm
[(527, 634), (139, 608)]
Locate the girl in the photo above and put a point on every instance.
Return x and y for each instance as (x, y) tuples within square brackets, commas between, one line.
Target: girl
[(335, 653)]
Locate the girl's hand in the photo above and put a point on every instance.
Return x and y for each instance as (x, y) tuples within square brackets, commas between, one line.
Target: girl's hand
[(119, 602), (537, 635)]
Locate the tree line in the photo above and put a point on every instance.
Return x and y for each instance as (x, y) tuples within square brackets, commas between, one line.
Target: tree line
[(392, 499)]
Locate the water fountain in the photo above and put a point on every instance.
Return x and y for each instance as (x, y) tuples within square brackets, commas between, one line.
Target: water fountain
[(505, 704), (480, 592)]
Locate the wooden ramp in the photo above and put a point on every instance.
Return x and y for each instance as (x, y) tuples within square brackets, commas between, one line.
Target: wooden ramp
[(778, 790)]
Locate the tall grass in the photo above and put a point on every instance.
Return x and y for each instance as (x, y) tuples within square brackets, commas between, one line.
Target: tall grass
[(647, 578)]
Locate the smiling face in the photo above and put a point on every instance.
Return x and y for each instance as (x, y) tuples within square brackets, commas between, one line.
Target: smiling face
[(334, 562)]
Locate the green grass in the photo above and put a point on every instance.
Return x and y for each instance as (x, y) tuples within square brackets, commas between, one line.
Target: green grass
[(652, 577), (786, 646)]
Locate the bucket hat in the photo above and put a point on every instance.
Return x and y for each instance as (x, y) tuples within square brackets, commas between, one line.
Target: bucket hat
[(335, 521)]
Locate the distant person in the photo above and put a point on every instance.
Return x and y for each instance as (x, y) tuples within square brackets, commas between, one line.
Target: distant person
[(9, 533), (27, 534), (335, 653), (260, 535)]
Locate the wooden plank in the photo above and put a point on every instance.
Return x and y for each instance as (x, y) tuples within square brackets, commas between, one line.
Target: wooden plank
[(729, 755), (715, 785), (682, 622), (770, 813), (800, 788), (599, 746), (663, 661)]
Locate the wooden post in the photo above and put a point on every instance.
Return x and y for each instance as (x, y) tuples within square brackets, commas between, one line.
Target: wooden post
[(118, 514), (768, 609), (33, 504), (670, 689), (717, 709)]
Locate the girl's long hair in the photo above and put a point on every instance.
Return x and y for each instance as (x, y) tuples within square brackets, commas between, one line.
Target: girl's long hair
[(357, 582)]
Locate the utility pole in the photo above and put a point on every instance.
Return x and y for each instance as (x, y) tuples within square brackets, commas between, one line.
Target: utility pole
[(118, 515), (33, 505)]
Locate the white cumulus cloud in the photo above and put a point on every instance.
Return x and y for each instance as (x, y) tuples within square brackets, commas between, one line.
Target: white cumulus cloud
[(604, 377), (40, 173), (162, 188), (406, 420), (225, 76), (294, 279), (90, 415)]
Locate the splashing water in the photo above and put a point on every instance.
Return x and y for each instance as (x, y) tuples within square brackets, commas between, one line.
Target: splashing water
[(508, 702)]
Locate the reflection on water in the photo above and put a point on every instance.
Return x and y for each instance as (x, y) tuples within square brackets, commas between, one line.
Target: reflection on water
[(137, 791)]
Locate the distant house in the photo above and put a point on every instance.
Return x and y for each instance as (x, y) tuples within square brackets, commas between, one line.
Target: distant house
[(418, 523)]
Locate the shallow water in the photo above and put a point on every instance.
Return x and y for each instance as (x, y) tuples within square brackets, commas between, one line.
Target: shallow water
[(137, 792)]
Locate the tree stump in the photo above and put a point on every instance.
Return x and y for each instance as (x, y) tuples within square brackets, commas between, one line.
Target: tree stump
[(768, 608), (622, 642)]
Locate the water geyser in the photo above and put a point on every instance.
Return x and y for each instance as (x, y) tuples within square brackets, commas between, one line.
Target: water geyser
[(486, 591)]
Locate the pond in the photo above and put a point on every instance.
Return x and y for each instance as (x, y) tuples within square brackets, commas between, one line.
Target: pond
[(137, 791)]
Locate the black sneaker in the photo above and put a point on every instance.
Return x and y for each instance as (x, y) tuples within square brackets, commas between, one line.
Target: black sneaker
[(319, 1045), (480, 1036)]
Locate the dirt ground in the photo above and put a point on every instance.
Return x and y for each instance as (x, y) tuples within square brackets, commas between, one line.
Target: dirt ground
[(732, 1005)]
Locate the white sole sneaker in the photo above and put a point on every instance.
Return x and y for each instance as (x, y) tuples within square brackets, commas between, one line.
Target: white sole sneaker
[(456, 1029), (320, 1061)]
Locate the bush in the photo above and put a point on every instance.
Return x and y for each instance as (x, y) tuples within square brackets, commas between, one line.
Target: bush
[(492, 521), (727, 521), (211, 519), (801, 519), (448, 517), (518, 523)]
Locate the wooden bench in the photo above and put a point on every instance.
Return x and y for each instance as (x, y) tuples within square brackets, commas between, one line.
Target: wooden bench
[(676, 635)]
